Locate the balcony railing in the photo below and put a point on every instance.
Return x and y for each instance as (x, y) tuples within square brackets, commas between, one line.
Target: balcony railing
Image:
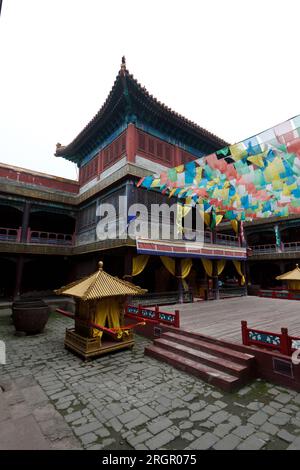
[(221, 238), (228, 240), (287, 247), (49, 238), (261, 249), (10, 234)]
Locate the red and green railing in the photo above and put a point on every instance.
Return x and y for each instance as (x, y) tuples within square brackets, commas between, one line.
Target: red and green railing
[(279, 294), (152, 315), (281, 342)]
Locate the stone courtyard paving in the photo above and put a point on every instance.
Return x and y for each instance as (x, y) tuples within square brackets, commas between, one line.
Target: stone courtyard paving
[(129, 401)]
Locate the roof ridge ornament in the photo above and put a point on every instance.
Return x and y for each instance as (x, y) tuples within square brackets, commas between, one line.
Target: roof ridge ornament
[(123, 65)]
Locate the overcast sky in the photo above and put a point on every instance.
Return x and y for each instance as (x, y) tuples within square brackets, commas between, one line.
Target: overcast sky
[(231, 66)]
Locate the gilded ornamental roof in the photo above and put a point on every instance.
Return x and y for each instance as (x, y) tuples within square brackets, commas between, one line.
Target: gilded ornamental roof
[(100, 285)]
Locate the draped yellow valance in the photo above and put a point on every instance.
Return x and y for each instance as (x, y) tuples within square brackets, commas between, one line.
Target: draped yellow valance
[(238, 267), (169, 264), (220, 266), (139, 263), (185, 264), (208, 266)]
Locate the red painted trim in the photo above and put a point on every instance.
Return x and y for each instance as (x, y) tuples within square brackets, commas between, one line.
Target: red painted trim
[(131, 143), (47, 181)]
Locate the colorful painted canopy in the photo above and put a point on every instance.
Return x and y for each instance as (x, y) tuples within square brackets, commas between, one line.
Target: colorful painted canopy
[(256, 178), (100, 285)]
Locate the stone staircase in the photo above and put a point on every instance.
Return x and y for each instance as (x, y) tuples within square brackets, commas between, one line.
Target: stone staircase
[(216, 364)]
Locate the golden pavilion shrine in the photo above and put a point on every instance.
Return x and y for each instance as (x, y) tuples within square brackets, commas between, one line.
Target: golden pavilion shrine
[(99, 316), (292, 278)]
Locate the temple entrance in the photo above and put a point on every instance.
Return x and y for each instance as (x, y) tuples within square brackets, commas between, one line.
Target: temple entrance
[(156, 278)]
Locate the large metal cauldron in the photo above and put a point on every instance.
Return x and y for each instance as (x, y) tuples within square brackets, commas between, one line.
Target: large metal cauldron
[(30, 315)]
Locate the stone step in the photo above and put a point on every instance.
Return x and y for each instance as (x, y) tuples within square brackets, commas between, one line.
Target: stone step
[(219, 363), (212, 376), (209, 347)]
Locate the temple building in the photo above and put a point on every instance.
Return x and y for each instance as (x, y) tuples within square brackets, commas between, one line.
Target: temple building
[(49, 224)]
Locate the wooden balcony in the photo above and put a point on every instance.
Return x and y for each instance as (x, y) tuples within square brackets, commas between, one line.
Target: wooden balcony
[(50, 238), (285, 250), (10, 234)]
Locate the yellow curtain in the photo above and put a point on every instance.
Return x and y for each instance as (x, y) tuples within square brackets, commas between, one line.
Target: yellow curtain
[(293, 285), (100, 316), (186, 266), (113, 317), (238, 267), (139, 263), (221, 265), (208, 266), (107, 310), (235, 225), (169, 264)]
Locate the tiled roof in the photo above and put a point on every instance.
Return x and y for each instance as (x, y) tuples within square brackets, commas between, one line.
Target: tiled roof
[(100, 285), (125, 79), (293, 275)]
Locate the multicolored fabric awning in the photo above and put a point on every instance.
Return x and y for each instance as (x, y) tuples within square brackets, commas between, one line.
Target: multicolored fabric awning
[(256, 178)]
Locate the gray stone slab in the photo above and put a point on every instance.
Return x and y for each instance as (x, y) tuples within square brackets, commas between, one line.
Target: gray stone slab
[(252, 443), (244, 431), (161, 439), (258, 418), (229, 442), (34, 395), (22, 434), (280, 418), (159, 424), (207, 441), (200, 415), (286, 436)]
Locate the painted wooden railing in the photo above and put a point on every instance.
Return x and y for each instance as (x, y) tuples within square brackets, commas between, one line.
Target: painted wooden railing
[(10, 234), (153, 315), (49, 238), (229, 240), (221, 238), (286, 247), (279, 294), (282, 342)]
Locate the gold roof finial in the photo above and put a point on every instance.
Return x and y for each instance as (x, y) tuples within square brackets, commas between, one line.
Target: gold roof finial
[(100, 265)]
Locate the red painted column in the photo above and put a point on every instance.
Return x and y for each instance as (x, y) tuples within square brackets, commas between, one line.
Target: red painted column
[(177, 156), (100, 162), (19, 276), (25, 221), (131, 143), (284, 342)]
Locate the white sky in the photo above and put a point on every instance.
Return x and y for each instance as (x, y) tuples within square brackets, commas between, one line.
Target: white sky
[(231, 66)]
